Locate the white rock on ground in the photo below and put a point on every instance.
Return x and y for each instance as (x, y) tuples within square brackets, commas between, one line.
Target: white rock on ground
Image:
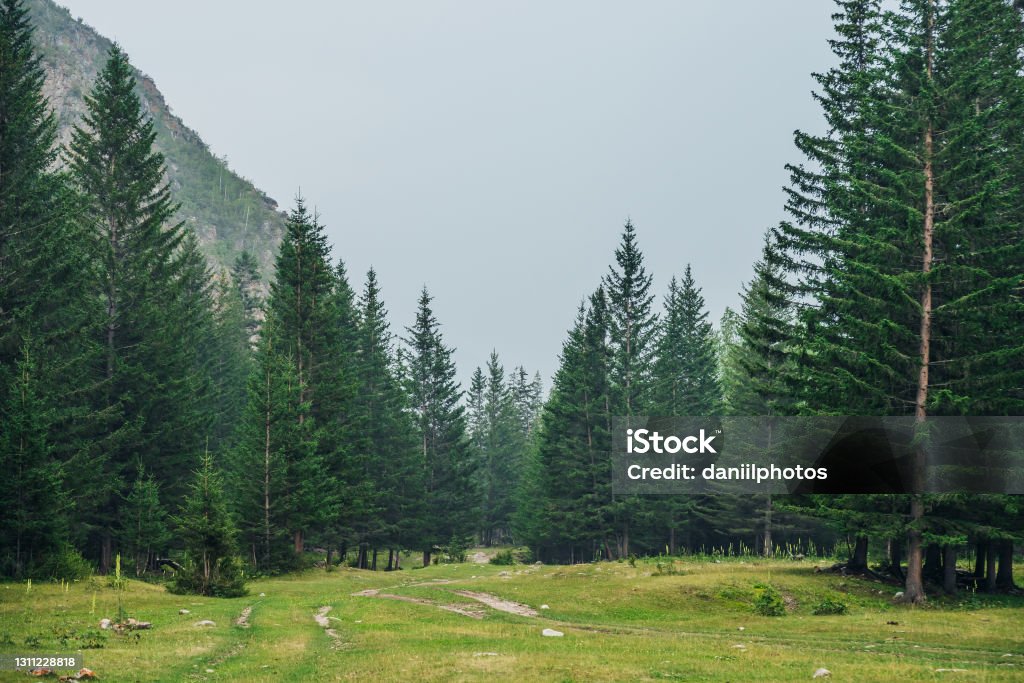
[(822, 673), (552, 633), (184, 611), (544, 607), (105, 624), (204, 622)]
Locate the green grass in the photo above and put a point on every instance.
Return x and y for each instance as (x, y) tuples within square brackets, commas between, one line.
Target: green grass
[(621, 623)]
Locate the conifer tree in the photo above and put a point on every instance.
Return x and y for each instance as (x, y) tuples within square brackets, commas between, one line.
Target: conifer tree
[(35, 519), (450, 501), (245, 275), (266, 467), (209, 534), (143, 521), (685, 375), (128, 210), (632, 329), (385, 434), (303, 331), (684, 382), (570, 475)]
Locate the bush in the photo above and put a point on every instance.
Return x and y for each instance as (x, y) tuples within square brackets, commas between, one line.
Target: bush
[(769, 603), (68, 564), (829, 606), (225, 581), (503, 557)]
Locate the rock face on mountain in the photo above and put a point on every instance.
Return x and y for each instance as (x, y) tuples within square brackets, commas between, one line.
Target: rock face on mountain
[(227, 212)]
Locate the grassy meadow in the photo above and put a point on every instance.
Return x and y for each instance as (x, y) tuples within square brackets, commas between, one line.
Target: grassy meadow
[(660, 620)]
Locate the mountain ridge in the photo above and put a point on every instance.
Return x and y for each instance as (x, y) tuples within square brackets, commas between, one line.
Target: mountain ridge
[(227, 212)]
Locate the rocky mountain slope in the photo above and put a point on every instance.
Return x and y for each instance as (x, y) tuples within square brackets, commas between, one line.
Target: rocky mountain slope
[(227, 212)]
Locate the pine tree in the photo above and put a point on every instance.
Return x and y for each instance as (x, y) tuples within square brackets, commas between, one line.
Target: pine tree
[(303, 331), (685, 375), (127, 207), (266, 470), (35, 519), (385, 434), (245, 274), (632, 329), (570, 475), (684, 382), (209, 534), (143, 523), (450, 501)]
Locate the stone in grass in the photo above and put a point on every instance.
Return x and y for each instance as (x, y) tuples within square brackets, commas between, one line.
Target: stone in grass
[(204, 622), (184, 611), (822, 673), (485, 654), (552, 633), (544, 607), (958, 671), (105, 623)]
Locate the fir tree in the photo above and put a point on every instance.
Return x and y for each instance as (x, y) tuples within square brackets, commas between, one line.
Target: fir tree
[(685, 375), (385, 435), (209, 534), (245, 274), (143, 523), (303, 331), (450, 501), (632, 329), (35, 519), (570, 475), (128, 208)]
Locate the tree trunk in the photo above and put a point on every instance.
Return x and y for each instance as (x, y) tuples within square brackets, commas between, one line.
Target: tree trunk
[(1004, 579), (672, 540), (990, 568), (426, 558), (768, 527), (330, 555), (106, 553), (859, 561), (374, 567), (949, 569), (914, 591), (933, 561), (979, 560), (299, 542), (896, 557)]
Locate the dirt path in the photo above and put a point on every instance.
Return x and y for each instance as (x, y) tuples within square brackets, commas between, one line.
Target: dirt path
[(243, 618), (500, 604), (464, 610), (323, 622)]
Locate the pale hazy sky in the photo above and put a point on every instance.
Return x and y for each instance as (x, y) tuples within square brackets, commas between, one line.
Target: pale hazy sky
[(493, 150)]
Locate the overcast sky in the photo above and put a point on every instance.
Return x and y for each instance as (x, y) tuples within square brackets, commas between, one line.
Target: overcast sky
[(493, 150)]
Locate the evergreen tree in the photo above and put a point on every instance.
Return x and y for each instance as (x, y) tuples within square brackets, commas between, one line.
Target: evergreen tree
[(138, 394), (143, 527), (632, 329), (303, 331), (209, 534), (267, 465), (385, 434), (570, 475), (684, 382), (35, 518), (245, 274), (450, 501), (685, 375)]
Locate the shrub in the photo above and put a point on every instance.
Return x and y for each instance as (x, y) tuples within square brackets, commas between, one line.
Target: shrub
[(503, 557), (829, 606), (769, 603)]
